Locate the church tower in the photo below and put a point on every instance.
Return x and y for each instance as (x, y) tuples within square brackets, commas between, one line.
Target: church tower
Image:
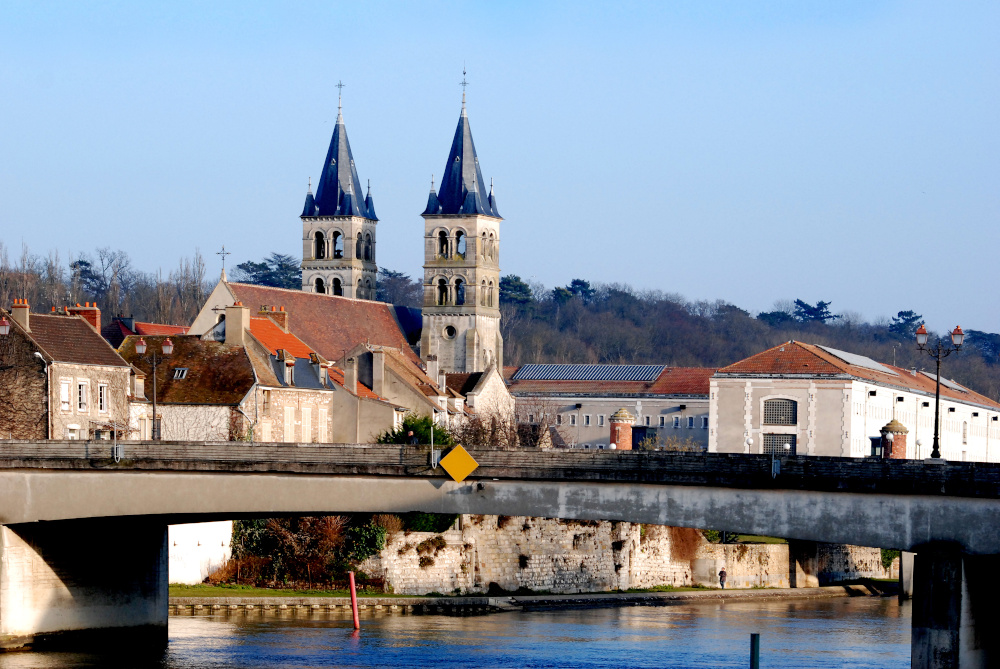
[(338, 227), (461, 314)]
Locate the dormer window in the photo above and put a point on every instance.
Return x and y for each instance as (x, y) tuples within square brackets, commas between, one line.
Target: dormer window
[(290, 372)]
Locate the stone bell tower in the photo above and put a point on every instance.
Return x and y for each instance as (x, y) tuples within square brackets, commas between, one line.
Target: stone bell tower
[(338, 226), (461, 313)]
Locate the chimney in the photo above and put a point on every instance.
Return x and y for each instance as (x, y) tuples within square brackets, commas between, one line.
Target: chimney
[(378, 372), (279, 316), (89, 313), (621, 429), (237, 323), (442, 381), (351, 375), (432, 366), (20, 312)]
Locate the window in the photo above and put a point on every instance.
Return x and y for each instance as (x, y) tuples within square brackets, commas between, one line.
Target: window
[(775, 443), (288, 431), (338, 287), (559, 419), (320, 286), (572, 419), (460, 244), (459, 292), (600, 420), (359, 250), (443, 244), (482, 294), (369, 248), (81, 397), (338, 245), (780, 412), (442, 297), (180, 372), (586, 421), (704, 422), (321, 426), (531, 418), (646, 421), (266, 400), (663, 421), (965, 432), (265, 431), (677, 421), (157, 428), (102, 398), (64, 395), (306, 425), (690, 422), (319, 252)]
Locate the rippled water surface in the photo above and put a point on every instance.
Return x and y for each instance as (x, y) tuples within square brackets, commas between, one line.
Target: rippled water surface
[(853, 633)]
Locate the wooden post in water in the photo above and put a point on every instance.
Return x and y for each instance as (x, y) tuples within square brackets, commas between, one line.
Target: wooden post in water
[(354, 600), (755, 651)]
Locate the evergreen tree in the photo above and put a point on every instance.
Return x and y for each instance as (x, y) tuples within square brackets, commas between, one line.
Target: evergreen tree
[(806, 313), (905, 324), (278, 270), (513, 290)]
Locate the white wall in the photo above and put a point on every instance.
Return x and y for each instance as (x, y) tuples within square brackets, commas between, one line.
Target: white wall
[(197, 549)]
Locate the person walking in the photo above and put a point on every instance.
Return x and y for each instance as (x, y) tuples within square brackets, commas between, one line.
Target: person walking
[(722, 578)]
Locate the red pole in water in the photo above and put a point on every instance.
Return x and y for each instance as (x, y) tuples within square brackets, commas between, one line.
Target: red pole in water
[(354, 600)]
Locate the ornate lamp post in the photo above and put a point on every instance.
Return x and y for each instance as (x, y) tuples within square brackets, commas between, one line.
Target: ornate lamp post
[(167, 348), (4, 326), (938, 352)]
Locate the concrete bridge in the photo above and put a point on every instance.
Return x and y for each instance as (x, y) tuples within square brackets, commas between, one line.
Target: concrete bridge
[(84, 537)]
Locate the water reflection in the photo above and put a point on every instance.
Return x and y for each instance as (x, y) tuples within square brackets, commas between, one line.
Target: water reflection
[(854, 633)]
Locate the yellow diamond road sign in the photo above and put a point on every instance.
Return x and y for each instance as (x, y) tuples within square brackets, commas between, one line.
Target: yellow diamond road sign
[(459, 463)]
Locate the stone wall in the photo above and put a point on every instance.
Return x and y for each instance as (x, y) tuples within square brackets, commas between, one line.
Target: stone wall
[(569, 556)]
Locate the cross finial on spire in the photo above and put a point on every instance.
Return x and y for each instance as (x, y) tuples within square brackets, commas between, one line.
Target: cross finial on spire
[(310, 185), (463, 84), (223, 253), (340, 93), (432, 182)]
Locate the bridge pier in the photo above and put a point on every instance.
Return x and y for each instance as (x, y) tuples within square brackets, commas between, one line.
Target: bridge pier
[(955, 617), (84, 580)]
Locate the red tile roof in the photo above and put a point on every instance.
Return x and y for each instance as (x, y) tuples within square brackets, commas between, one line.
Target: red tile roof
[(330, 325), (273, 337), (159, 329), (337, 376), (72, 339), (671, 381), (797, 358)]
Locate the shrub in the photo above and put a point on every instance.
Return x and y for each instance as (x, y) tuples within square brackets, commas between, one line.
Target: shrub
[(502, 521), (393, 524), (421, 428), (404, 549), (418, 521), (365, 541), (713, 536), (426, 561), (888, 555), (432, 545)]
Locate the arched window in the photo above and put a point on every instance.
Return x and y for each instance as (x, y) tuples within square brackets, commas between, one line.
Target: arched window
[(359, 251), (338, 288), (319, 249), (482, 246), (369, 293), (460, 244), (493, 247), (482, 294), (368, 247), (442, 292), (781, 412), (459, 292), (358, 294), (338, 245), (443, 244), (320, 286), (489, 299)]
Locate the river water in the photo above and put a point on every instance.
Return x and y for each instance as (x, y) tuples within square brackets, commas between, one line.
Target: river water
[(849, 633)]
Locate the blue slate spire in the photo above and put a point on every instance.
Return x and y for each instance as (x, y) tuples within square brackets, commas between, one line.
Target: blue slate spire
[(309, 209), (433, 204), (462, 183), (370, 204), (335, 194)]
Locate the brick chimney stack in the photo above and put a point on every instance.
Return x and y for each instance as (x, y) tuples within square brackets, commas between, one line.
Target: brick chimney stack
[(279, 316), (21, 313), (621, 429), (89, 313)]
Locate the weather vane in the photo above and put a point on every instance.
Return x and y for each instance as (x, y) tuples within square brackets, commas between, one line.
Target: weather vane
[(463, 83)]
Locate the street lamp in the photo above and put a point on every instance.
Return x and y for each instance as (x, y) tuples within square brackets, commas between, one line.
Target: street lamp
[(938, 352), (167, 348), (4, 326)]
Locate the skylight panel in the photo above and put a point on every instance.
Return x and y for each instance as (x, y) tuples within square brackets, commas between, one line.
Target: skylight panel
[(948, 383), (858, 360), (589, 372)]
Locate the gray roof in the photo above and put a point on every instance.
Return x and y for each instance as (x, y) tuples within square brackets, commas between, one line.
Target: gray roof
[(462, 186), (337, 193), (588, 372)]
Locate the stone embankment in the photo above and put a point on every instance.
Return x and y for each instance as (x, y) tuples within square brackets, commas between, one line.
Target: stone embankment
[(493, 554), (483, 605)]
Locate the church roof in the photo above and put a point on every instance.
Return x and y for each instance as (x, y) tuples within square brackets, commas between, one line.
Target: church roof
[(338, 191), (462, 188)]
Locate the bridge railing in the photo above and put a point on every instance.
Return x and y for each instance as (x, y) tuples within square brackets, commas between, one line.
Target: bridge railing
[(731, 470)]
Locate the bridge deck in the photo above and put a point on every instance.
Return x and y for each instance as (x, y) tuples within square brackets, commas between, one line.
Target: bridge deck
[(727, 470)]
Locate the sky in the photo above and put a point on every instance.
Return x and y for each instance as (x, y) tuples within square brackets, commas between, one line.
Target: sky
[(749, 152)]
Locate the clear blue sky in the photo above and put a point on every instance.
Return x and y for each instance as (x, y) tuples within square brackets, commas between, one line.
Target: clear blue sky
[(843, 151)]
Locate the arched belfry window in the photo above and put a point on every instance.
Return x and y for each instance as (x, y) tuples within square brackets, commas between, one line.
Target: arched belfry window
[(368, 247), (369, 292), (493, 247), (781, 412), (459, 292), (442, 292), (358, 294), (320, 286), (489, 301), (460, 244), (319, 249), (443, 244), (338, 245), (482, 246), (482, 294), (359, 251), (338, 287)]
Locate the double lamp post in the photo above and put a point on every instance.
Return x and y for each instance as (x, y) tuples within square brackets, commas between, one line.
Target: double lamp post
[(938, 352), (166, 349)]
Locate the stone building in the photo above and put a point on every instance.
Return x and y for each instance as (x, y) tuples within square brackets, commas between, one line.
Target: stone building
[(461, 312), (338, 227), (823, 401), (59, 379), (669, 404)]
